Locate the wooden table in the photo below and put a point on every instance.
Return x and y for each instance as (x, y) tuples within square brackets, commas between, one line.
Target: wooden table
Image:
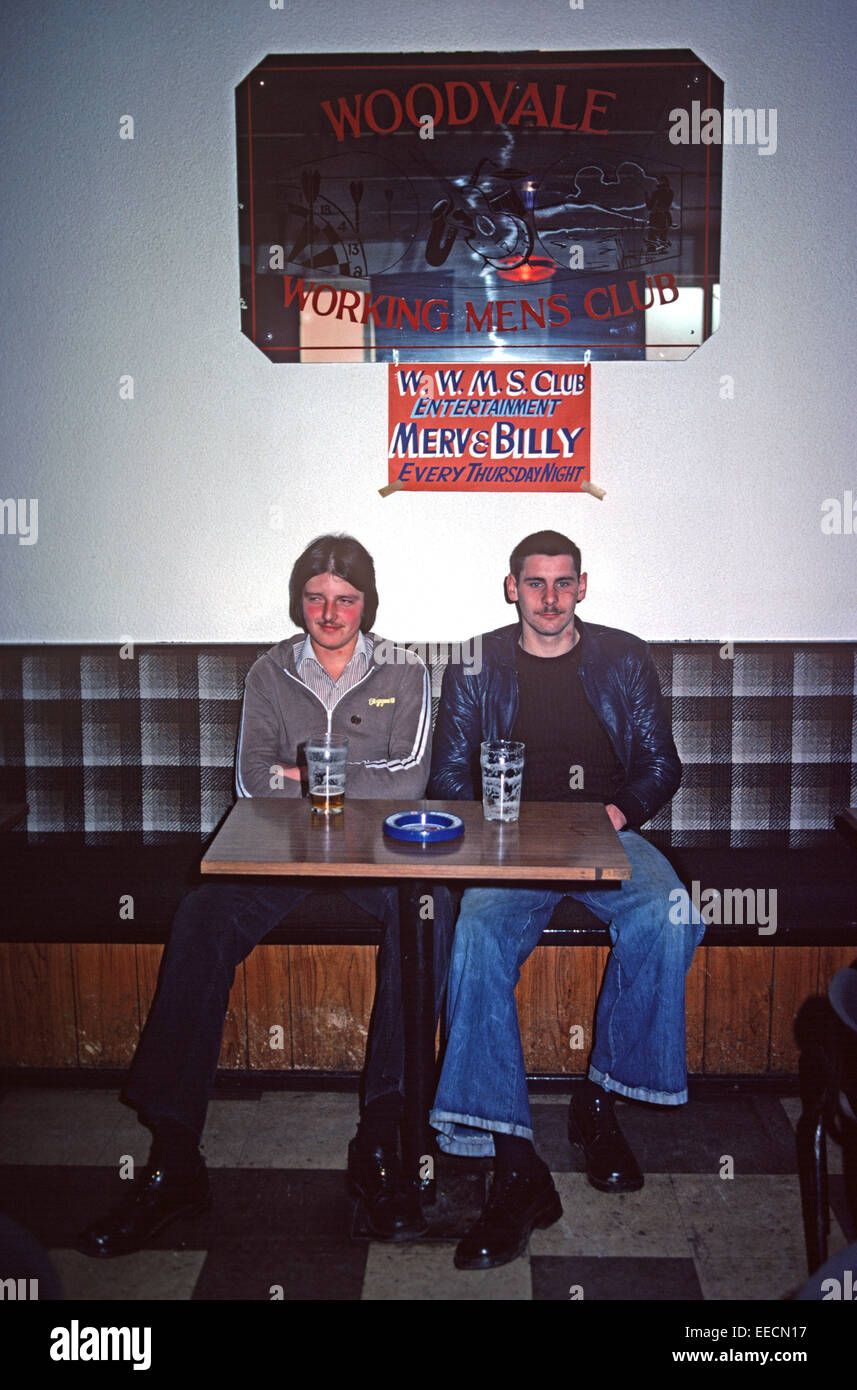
[(556, 842)]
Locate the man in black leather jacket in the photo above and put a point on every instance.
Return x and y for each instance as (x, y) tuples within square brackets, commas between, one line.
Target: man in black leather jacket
[(586, 702)]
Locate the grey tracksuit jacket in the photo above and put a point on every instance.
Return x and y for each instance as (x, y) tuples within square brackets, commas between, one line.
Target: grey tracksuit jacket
[(386, 718)]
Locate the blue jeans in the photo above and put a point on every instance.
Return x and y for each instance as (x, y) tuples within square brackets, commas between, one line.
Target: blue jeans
[(639, 1047)]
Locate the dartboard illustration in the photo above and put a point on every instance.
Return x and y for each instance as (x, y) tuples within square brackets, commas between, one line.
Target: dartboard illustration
[(348, 217)]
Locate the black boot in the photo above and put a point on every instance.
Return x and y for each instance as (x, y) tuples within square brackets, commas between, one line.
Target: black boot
[(592, 1124), (158, 1197), (391, 1202), (518, 1201)]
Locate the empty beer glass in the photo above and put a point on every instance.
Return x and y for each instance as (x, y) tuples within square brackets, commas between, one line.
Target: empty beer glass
[(502, 764)]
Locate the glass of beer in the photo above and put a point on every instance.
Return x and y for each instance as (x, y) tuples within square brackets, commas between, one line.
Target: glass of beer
[(327, 760), (502, 764)]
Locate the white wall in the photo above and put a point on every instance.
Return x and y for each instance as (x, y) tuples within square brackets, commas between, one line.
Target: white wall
[(122, 257)]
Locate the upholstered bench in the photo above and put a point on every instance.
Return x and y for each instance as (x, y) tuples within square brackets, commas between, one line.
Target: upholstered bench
[(126, 763)]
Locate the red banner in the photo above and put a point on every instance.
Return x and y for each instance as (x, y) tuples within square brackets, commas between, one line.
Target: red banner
[(489, 428)]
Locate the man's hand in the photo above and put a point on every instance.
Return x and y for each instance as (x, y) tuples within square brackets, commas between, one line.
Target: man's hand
[(617, 819), (293, 772)]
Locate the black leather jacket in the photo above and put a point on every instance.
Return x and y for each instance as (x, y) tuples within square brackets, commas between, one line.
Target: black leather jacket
[(621, 684)]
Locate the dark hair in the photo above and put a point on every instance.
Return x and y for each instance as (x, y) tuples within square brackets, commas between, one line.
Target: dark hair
[(344, 557), (542, 543)]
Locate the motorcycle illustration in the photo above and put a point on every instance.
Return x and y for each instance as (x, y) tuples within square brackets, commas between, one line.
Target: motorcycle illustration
[(489, 214)]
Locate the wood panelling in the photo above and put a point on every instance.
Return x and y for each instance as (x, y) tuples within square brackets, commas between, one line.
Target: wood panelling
[(602, 956), (105, 994), (556, 993), (795, 981), (831, 959), (37, 1022), (114, 986), (85, 1004), (268, 988), (148, 965), (695, 985), (738, 1009), (332, 992), (234, 1050)]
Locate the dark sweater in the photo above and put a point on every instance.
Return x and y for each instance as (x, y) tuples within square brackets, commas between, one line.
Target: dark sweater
[(568, 754)]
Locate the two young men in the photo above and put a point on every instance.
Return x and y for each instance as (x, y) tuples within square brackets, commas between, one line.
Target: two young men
[(582, 698)]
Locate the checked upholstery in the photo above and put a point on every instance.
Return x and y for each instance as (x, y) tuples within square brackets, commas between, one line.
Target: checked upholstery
[(98, 744)]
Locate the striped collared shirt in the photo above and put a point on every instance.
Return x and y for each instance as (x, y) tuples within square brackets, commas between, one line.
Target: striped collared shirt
[(321, 683)]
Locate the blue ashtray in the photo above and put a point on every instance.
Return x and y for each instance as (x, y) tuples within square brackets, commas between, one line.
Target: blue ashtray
[(424, 827)]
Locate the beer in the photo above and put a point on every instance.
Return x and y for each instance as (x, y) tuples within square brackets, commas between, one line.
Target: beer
[(327, 762), (327, 802)]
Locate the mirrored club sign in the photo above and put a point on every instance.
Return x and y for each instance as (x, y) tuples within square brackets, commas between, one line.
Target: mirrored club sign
[(468, 207)]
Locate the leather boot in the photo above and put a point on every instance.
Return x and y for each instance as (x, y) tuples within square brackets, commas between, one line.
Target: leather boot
[(158, 1197), (592, 1124), (391, 1202), (517, 1202)]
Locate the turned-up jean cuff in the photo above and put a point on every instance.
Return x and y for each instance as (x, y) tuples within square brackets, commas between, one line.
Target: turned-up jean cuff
[(477, 1142), (609, 1083)]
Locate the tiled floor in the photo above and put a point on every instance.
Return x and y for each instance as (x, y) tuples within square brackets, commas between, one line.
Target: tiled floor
[(282, 1223)]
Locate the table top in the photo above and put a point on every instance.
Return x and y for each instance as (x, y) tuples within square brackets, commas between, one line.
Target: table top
[(554, 840)]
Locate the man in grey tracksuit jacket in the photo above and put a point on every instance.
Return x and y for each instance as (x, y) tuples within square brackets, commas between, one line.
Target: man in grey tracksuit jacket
[(336, 677), (386, 718)]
